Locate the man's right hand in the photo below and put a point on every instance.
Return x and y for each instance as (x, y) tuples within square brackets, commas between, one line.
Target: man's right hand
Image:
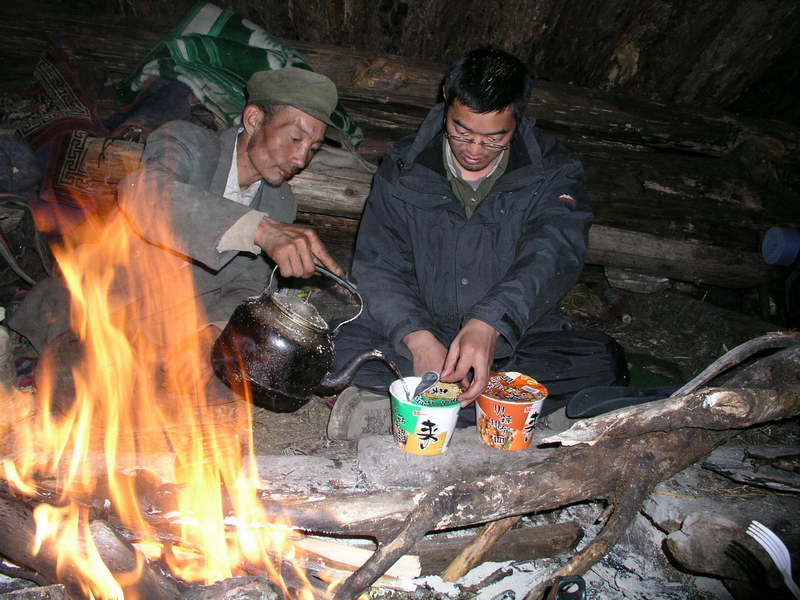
[(428, 353), (296, 249)]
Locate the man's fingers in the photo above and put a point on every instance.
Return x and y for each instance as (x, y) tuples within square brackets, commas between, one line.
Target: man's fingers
[(450, 365), (323, 258), (296, 249), (471, 353), (479, 380)]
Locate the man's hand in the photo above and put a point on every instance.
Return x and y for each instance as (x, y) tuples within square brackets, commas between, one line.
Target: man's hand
[(188, 369), (472, 350), (427, 352), (296, 249)]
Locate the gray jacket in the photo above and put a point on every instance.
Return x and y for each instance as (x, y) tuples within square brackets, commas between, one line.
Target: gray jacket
[(181, 179), (182, 176), (421, 264)]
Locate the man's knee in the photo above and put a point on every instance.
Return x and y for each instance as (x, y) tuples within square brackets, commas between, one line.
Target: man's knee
[(611, 354), (353, 339)]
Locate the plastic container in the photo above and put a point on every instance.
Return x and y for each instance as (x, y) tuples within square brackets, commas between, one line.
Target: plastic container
[(781, 246), (422, 425), (508, 409)]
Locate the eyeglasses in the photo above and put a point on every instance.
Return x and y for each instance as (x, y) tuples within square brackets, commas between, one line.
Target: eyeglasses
[(487, 145)]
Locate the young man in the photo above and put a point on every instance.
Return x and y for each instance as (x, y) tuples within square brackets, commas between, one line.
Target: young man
[(229, 207), (475, 229)]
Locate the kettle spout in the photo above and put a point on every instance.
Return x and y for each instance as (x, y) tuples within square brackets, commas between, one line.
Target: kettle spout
[(333, 383)]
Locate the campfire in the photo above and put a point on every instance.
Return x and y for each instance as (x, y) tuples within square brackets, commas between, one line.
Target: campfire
[(124, 440)]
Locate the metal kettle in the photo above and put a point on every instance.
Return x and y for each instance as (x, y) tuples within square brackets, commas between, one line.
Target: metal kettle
[(277, 350)]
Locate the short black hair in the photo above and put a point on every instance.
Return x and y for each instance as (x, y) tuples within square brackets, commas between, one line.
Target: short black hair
[(271, 111), (488, 80)]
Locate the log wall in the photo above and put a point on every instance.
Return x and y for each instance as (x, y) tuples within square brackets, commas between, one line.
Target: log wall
[(712, 53), (677, 192)]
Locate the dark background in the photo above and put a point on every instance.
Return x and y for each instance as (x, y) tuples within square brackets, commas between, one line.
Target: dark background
[(739, 56)]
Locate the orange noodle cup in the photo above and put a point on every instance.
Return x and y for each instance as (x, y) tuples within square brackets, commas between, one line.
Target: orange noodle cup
[(507, 410), (424, 424)]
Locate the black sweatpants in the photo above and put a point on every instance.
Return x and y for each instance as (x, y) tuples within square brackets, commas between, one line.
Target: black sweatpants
[(565, 362)]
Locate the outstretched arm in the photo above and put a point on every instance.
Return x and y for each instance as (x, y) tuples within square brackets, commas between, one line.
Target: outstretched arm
[(296, 249)]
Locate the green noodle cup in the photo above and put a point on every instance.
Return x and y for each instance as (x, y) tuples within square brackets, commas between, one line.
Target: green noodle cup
[(425, 426)]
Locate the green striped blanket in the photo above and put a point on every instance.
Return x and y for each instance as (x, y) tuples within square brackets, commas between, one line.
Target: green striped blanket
[(214, 52)]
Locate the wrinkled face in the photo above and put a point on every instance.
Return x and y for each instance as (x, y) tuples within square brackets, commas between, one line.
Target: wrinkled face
[(279, 149), (492, 128)]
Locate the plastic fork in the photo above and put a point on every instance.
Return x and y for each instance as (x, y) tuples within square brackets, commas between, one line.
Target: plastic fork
[(777, 550)]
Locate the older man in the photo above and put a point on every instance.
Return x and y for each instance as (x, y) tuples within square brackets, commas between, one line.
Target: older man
[(228, 206)]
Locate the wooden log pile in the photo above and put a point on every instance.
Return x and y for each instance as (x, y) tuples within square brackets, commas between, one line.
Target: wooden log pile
[(678, 192)]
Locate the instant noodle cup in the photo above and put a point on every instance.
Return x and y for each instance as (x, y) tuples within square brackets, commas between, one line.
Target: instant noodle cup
[(425, 424), (507, 410)]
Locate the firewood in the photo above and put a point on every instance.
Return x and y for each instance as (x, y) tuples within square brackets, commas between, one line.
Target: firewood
[(563, 481), (626, 502), (780, 339), (17, 535), (236, 588), (711, 408), (343, 560), (705, 520), (48, 592), (758, 465), (437, 552), (473, 554), (557, 481), (341, 556)]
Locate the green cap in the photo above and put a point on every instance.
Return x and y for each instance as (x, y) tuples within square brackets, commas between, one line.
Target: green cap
[(308, 91)]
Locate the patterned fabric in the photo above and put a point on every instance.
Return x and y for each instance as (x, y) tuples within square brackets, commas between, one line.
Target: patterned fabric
[(215, 52), (57, 120)]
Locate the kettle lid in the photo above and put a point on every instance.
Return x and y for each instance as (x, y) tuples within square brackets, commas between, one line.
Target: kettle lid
[(301, 312)]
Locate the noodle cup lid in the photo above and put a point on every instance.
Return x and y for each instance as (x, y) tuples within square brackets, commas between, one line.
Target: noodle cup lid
[(514, 387)]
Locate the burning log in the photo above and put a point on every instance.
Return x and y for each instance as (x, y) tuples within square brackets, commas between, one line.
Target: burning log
[(672, 438), (316, 562), (19, 540)]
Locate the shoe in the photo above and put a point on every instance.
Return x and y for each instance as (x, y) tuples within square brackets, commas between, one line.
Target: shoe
[(554, 423), (600, 400), (358, 413)]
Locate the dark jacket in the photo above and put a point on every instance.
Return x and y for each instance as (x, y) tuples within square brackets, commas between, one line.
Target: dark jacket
[(421, 264)]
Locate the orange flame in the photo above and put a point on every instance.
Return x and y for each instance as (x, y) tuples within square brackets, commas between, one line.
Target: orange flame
[(122, 418)]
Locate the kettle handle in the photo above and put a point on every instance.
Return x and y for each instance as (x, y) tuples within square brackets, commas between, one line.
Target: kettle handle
[(350, 288)]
